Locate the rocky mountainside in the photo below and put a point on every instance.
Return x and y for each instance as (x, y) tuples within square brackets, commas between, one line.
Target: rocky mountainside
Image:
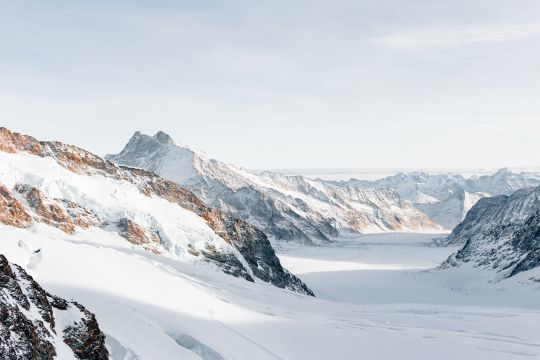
[(284, 207), (72, 190), (501, 233), (37, 325), (446, 198)]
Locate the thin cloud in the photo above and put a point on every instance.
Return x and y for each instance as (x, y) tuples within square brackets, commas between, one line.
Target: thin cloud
[(449, 37)]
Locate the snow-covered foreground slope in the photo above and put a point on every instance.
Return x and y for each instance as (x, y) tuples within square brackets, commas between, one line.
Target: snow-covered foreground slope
[(446, 198), (285, 207), (153, 307)]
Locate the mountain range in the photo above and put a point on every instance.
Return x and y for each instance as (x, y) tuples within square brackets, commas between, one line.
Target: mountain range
[(73, 190), (284, 207), (446, 198), (182, 266)]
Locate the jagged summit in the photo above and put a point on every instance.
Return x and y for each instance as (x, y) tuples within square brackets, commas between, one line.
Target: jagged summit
[(163, 137), (160, 138)]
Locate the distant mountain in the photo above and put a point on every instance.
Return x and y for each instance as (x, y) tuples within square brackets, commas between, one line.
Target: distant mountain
[(284, 207), (37, 325), (501, 233), (446, 198), (70, 189)]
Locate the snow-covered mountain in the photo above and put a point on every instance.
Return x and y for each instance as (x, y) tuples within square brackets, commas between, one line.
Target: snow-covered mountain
[(501, 233), (153, 264), (446, 198), (284, 207), (37, 325), (81, 194)]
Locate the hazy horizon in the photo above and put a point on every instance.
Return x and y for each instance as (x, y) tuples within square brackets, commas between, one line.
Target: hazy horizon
[(272, 84)]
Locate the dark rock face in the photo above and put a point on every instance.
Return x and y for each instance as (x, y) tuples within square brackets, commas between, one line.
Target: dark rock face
[(21, 338), (251, 243), (28, 327), (228, 263), (85, 338), (527, 240), (500, 233), (474, 218)]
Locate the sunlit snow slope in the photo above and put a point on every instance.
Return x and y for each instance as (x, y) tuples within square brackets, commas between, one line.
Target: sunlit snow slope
[(154, 307), (70, 189)]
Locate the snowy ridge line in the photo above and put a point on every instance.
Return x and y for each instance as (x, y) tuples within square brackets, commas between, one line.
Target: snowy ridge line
[(446, 198), (72, 189), (284, 207)]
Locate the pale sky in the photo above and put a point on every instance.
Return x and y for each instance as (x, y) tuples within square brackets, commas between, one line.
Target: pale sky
[(281, 84)]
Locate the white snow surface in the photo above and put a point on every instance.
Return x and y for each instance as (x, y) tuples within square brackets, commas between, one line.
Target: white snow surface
[(375, 301), (111, 200)]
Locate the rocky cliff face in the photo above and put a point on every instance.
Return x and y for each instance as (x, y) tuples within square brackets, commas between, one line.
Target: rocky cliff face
[(500, 234), (284, 207), (446, 198), (37, 325), (143, 208), (12, 212)]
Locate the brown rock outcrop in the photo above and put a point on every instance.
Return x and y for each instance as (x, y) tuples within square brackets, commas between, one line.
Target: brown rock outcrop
[(47, 211), (12, 212), (136, 234)]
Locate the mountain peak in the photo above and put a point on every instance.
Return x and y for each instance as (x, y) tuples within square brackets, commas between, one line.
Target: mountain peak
[(163, 137), (159, 137), (503, 171)]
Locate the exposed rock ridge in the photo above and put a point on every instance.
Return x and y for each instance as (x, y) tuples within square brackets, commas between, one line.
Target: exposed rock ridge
[(500, 234), (29, 325)]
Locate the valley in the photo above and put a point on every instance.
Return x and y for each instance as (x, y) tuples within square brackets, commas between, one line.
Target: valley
[(374, 298), (169, 277)]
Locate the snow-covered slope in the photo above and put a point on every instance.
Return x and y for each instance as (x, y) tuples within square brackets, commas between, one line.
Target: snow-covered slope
[(70, 189), (285, 207), (375, 302), (37, 325), (501, 233), (446, 198)]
